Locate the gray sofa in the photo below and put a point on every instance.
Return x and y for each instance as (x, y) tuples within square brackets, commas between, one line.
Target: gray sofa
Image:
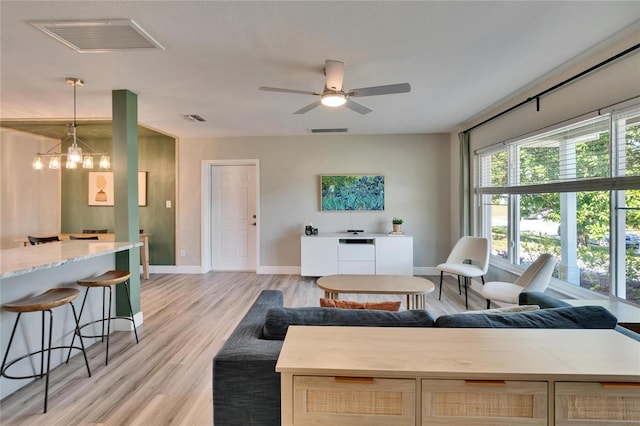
[(246, 388)]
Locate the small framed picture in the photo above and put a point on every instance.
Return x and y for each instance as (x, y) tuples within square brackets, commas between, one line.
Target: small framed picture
[(100, 189)]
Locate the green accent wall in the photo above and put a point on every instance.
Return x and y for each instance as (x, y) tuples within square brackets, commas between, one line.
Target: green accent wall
[(156, 156)]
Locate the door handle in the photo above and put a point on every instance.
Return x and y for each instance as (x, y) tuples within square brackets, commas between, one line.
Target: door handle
[(253, 224)]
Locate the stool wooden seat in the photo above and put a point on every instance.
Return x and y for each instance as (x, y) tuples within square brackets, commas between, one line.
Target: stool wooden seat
[(106, 280), (48, 300), (44, 302)]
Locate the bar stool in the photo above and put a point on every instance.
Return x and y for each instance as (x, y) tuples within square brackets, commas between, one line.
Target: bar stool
[(105, 281), (44, 302)]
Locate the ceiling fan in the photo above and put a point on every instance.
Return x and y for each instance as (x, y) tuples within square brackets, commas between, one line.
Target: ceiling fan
[(333, 94)]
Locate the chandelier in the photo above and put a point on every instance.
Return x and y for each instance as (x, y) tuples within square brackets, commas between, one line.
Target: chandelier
[(74, 155)]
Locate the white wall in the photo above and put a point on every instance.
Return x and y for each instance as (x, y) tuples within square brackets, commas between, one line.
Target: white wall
[(609, 85), (416, 169), (30, 199)]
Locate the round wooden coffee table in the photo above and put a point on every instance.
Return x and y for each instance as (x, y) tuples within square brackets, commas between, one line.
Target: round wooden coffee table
[(415, 288)]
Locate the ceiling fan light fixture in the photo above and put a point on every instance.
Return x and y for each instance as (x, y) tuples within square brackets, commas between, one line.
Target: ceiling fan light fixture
[(332, 99)]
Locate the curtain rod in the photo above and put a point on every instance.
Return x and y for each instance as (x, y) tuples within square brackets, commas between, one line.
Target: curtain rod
[(555, 87)]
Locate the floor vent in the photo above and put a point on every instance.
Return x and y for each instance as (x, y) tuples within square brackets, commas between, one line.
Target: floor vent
[(341, 130), (99, 36)]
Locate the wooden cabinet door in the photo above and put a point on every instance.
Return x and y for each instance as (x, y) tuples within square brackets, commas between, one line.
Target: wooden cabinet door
[(353, 401), (486, 402), (597, 404)]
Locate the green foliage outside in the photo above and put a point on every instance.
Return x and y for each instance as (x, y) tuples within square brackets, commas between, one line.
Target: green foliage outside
[(541, 165)]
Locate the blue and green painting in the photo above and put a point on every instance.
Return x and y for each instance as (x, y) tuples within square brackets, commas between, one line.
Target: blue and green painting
[(352, 192)]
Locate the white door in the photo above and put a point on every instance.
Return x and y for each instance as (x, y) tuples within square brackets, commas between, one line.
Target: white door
[(233, 218)]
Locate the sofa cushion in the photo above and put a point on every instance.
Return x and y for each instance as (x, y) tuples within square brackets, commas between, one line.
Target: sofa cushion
[(349, 304), (505, 310), (541, 299), (278, 320), (572, 317)]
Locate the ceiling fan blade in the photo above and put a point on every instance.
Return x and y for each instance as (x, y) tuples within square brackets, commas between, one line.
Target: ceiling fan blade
[(301, 92), (334, 70), (308, 108), (380, 90), (355, 106)]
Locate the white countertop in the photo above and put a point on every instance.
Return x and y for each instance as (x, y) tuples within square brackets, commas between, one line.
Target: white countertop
[(22, 260)]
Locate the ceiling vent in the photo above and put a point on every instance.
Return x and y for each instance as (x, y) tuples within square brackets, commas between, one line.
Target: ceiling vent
[(340, 130), (194, 117), (106, 35)]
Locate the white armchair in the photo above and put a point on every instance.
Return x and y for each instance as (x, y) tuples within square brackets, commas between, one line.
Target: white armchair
[(535, 278), (473, 249)]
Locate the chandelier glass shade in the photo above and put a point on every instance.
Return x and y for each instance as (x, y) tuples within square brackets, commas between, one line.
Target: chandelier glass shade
[(75, 156)]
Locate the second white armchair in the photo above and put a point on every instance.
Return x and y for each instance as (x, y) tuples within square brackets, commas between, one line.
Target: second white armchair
[(535, 278)]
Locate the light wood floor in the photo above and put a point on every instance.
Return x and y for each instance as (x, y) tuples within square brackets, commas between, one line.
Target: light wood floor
[(166, 379)]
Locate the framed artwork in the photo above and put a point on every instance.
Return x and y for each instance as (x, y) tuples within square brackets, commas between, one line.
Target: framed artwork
[(142, 188), (352, 192), (101, 189)]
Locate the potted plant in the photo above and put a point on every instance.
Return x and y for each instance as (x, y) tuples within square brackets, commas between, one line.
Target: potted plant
[(397, 224)]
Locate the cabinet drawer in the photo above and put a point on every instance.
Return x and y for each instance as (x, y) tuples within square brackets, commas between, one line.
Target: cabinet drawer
[(357, 252), (486, 402), (357, 268), (597, 404), (353, 401)]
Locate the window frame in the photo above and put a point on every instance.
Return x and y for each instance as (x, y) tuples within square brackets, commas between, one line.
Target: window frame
[(614, 183)]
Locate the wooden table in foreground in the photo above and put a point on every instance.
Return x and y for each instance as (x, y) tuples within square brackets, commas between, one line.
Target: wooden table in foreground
[(415, 288), (455, 376)]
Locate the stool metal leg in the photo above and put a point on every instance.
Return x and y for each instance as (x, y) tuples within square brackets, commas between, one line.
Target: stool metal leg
[(42, 347), (84, 352), (84, 300), (13, 333), (6, 354), (106, 362), (104, 289), (126, 286), (46, 384)]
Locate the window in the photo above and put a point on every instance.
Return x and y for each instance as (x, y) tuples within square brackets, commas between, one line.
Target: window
[(573, 191)]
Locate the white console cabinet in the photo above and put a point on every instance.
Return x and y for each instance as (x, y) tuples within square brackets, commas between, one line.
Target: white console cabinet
[(368, 254)]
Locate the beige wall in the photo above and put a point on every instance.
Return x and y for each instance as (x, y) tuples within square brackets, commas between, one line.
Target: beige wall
[(30, 201), (416, 169)]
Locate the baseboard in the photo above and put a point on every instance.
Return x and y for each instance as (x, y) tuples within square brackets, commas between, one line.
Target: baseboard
[(278, 270), (120, 324), (263, 270), (175, 269), (426, 270)]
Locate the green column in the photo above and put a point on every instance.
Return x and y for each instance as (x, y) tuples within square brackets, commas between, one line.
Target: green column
[(125, 176)]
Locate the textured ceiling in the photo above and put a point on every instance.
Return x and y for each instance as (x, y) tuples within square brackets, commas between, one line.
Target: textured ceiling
[(461, 58)]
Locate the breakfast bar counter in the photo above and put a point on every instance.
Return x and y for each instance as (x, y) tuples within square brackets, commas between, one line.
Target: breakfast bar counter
[(23, 260), (32, 270)]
